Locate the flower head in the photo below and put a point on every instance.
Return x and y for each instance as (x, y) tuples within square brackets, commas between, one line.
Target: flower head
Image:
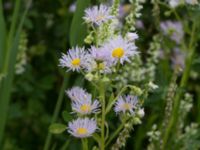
[(102, 59), (76, 59), (119, 50), (174, 3), (78, 94), (173, 29), (86, 106), (126, 104), (97, 15), (82, 128)]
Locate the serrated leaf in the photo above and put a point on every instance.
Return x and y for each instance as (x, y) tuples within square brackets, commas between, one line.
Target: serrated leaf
[(66, 116), (57, 128), (78, 27)]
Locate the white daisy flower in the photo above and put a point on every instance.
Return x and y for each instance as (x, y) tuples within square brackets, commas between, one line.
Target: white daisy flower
[(76, 59), (97, 15), (78, 94), (82, 128), (86, 106), (126, 104), (101, 57), (120, 50)]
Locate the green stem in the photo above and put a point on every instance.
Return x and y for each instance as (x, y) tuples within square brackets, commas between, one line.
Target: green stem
[(56, 111), (65, 145), (11, 35), (183, 83), (85, 144), (116, 132), (113, 101), (102, 97)]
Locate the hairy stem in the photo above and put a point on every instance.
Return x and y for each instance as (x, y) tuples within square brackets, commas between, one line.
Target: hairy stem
[(102, 97)]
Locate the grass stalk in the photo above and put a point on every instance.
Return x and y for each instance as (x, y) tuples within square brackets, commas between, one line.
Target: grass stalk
[(2, 37), (6, 84), (183, 84), (56, 111)]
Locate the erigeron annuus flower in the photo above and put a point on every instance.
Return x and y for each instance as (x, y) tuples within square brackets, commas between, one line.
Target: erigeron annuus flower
[(126, 104), (77, 94), (97, 14), (120, 50), (102, 59), (76, 59), (86, 106), (173, 29), (82, 127)]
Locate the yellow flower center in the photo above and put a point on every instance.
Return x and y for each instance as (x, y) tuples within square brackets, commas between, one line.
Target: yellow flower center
[(101, 66), (126, 106), (100, 17), (85, 108), (76, 62), (81, 131), (118, 52)]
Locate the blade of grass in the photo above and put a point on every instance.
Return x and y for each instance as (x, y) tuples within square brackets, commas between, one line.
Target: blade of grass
[(2, 36), (5, 89), (78, 27), (11, 35), (57, 110)]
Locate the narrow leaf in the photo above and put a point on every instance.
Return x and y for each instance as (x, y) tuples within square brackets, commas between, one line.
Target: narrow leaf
[(78, 28), (2, 36), (57, 128), (66, 116)]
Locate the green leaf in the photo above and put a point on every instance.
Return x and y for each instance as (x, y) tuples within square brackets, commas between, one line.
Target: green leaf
[(2, 36), (78, 27), (66, 116), (6, 84), (57, 128)]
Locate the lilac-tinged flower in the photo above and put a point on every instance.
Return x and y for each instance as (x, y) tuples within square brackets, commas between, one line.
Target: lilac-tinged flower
[(86, 106), (139, 24), (72, 7), (174, 3), (173, 29), (126, 104), (82, 128), (78, 94), (97, 15), (101, 57), (178, 58), (120, 50), (98, 54), (76, 59)]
